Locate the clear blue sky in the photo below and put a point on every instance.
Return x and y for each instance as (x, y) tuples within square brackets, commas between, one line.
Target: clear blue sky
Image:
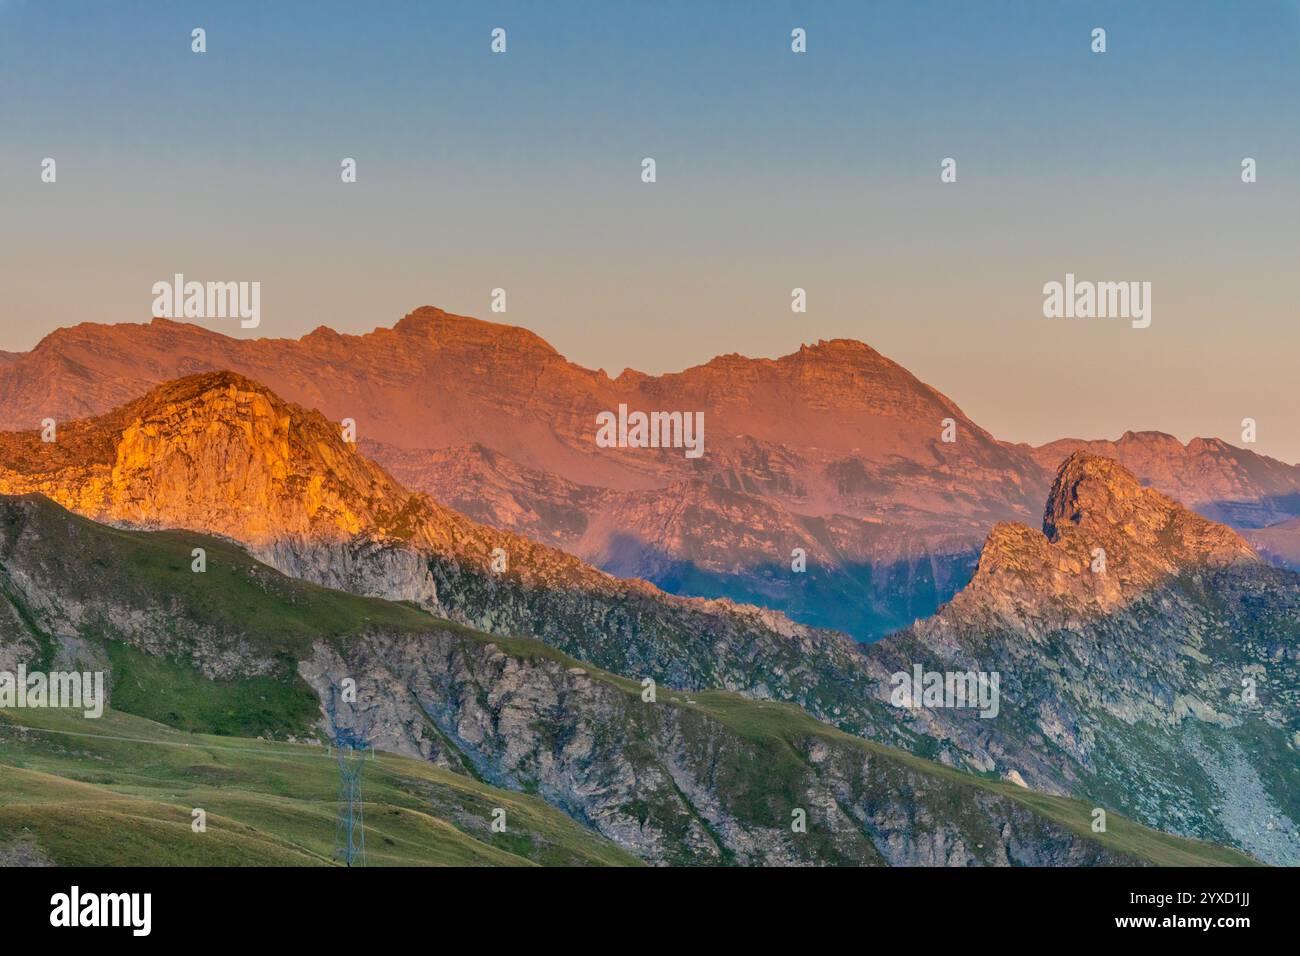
[(775, 171)]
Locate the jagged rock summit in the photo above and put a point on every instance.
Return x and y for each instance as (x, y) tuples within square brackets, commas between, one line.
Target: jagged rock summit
[(1105, 540), (1094, 495), (1233, 485)]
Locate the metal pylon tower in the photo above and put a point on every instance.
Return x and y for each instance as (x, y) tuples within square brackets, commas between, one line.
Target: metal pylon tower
[(350, 828)]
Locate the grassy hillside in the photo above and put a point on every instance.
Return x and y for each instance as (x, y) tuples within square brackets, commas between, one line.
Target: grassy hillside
[(120, 790)]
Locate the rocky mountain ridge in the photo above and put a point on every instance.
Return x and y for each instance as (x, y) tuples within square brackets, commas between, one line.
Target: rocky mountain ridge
[(834, 433), (685, 778), (1179, 650), (1156, 644), (219, 454), (833, 449)]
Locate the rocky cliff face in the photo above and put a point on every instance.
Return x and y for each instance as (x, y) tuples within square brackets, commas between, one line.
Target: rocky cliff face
[(685, 778), (672, 780), (1165, 682), (219, 454)]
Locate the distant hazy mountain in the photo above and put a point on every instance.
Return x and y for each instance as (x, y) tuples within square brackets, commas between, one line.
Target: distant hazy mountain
[(1279, 543), (437, 380), (834, 449), (693, 537)]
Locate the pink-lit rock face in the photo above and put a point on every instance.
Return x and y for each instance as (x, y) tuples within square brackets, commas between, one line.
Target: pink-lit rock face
[(834, 450)]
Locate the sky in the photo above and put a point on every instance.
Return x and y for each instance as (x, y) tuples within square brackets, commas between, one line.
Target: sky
[(775, 170)]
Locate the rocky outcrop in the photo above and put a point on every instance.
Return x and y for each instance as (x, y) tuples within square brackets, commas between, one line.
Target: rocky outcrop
[(1229, 484), (1105, 541), (1143, 652)]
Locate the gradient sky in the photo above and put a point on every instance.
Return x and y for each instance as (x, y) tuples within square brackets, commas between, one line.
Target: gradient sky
[(775, 170)]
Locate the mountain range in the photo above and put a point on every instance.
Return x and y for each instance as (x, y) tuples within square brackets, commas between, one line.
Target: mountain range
[(218, 453), (834, 450), (1124, 686)]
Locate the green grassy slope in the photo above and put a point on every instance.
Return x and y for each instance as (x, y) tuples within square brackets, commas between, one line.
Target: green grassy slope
[(121, 789)]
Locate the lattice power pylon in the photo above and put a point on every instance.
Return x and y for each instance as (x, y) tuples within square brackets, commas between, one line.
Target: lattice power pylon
[(350, 829)]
